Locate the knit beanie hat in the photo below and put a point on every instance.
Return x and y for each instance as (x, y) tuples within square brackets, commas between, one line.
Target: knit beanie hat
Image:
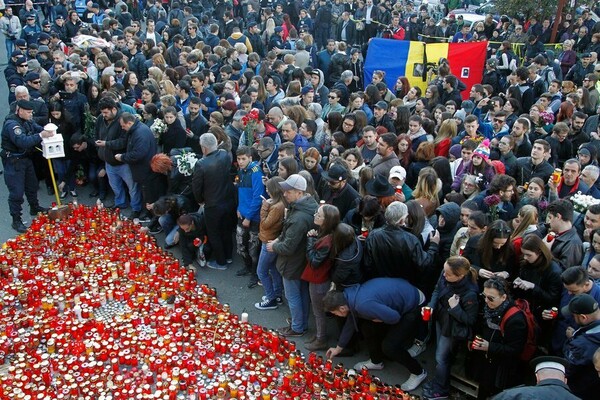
[(455, 150), (483, 150)]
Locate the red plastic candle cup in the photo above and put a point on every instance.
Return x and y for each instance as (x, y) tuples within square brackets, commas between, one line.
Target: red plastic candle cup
[(426, 313), (554, 312)]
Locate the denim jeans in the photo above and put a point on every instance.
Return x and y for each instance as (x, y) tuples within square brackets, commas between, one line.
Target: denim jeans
[(268, 274), (61, 168), (119, 177), (443, 358), (10, 46), (296, 293), (169, 225)]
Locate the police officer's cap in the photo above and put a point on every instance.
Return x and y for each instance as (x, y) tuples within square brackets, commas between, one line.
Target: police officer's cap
[(32, 76), (20, 43), (16, 53), (25, 104), (21, 61), (43, 36), (59, 17), (30, 16), (548, 362)]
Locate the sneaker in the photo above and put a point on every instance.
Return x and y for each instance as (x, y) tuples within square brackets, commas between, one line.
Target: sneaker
[(266, 305), (63, 195), (316, 345), (433, 394), (214, 265), (417, 348), (368, 364), (287, 331), (278, 299), (253, 283), (242, 272), (73, 193), (155, 229), (288, 320), (413, 381), (229, 261)]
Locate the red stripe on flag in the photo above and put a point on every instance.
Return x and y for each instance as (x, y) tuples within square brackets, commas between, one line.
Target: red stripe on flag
[(467, 63)]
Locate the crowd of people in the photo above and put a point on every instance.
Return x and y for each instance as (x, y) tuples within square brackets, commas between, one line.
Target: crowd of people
[(249, 127)]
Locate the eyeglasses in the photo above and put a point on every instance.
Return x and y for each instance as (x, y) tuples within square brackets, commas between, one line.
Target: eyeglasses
[(348, 124), (491, 299), (36, 82), (332, 97), (118, 72), (499, 120)]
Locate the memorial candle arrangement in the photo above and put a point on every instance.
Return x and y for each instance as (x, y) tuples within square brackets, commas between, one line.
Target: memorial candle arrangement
[(92, 308)]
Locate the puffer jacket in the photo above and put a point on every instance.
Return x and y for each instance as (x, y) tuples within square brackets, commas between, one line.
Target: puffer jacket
[(271, 220), (291, 244)]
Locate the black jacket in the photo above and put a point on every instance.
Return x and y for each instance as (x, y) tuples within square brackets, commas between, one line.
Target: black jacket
[(141, 147), (350, 27), (211, 183), (347, 265), (395, 253), (115, 137), (525, 170), (174, 137), (137, 64), (186, 239)]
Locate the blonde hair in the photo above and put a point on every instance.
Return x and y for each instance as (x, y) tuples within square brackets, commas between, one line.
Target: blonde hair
[(155, 73), (167, 87), (241, 48), (529, 216), (427, 185), (447, 130)]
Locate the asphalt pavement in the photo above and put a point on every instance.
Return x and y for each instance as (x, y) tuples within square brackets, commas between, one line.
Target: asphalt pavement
[(231, 289)]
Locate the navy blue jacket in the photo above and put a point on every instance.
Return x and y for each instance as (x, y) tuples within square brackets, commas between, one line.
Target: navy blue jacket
[(579, 352), (141, 147), (385, 299)]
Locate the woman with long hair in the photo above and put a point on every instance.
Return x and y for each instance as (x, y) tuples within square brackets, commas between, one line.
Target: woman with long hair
[(539, 280), (535, 196), (175, 136), (525, 223), (454, 304), (287, 166), (401, 87), (442, 168), (585, 103), (133, 89), (491, 253), (367, 215), (272, 213), (107, 82), (318, 269), (443, 140), (424, 154), (311, 161), (432, 95), (355, 162), (405, 152), (417, 223), (427, 190), (93, 98), (565, 112), (513, 110), (258, 83), (497, 363)]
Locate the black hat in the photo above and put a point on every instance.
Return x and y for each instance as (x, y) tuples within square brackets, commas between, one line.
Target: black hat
[(16, 53), (47, 23), (381, 104), (549, 362), (25, 104), (30, 16), (336, 173), (252, 24), (20, 42), (582, 304), (31, 76), (43, 36), (379, 187), (59, 17), (21, 61), (33, 46)]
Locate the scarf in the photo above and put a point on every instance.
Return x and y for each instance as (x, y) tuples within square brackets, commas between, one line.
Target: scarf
[(494, 316)]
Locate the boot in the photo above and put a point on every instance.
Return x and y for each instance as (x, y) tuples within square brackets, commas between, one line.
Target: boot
[(18, 225), (34, 210)]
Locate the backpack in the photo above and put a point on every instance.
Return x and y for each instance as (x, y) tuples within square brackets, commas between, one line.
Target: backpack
[(548, 76), (532, 327)]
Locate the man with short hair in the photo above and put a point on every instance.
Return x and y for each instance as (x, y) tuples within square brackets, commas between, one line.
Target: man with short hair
[(569, 184), (590, 175), (577, 136), (381, 118), (274, 92), (387, 312), (576, 281), (212, 187), (196, 124), (565, 245), (137, 61), (450, 91), (20, 137), (112, 140), (581, 346), (368, 149), (504, 186), (141, 147), (386, 157), (337, 191), (173, 52), (290, 248), (519, 133), (10, 26), (289, 133), (535, 165)]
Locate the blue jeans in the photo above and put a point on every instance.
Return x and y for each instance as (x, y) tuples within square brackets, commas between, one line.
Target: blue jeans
[(119, 177), (61, 169), (268, 274), (169, 225), (298, 297), (443, 358), (10, 46)]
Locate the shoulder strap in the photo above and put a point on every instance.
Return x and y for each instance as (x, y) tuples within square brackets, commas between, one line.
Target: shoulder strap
[(511, 311)]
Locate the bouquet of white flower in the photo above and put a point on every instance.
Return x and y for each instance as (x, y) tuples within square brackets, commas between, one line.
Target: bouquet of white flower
[(186, 162), (158, 128), (581, 202)]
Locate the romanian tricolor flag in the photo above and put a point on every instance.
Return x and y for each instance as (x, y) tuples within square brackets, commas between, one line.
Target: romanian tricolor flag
[(411, 59)]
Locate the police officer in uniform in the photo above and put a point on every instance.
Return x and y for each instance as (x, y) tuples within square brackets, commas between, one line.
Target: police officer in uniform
[(18, 78), (20, 136)]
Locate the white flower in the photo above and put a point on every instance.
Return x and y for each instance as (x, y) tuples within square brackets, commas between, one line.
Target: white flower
[(186, 162)]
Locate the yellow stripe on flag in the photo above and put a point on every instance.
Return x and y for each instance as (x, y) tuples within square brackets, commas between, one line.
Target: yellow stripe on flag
[(415, 57)]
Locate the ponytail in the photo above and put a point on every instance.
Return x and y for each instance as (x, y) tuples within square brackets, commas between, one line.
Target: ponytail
[(474, 275)]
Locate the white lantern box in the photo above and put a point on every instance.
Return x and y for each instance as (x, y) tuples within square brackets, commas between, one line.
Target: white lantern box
[(53, 147)]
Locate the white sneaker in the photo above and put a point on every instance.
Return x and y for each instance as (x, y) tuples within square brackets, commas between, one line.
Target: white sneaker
[(413, 381), (369, 364), (417, 348)]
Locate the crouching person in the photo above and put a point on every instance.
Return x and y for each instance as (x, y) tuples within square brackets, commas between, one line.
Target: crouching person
[(387, 312)]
